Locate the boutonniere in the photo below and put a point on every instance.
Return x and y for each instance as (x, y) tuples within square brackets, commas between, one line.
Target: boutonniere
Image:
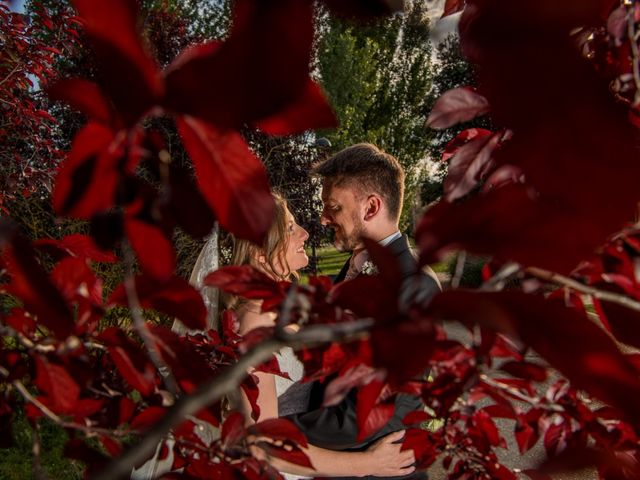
[(369, 268)]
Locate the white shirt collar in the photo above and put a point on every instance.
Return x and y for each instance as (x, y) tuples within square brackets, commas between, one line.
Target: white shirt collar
[(386, 241)]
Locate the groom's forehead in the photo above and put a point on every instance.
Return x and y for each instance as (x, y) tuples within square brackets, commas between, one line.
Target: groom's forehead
[(333, 192)]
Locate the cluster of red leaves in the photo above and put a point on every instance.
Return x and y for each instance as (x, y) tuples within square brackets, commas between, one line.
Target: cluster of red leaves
[(30, 47), (515, 194)]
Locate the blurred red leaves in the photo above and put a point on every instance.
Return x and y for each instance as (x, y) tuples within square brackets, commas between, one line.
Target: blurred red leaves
[(131, 78), (174, 297), (564, 121), (61, 390), (31, 284), (216, 87), (232, 178), (457, 106), (130, 360), (592, 360), (375, 407), (247, 282)]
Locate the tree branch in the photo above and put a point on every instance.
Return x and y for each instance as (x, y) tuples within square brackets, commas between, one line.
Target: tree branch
[(22, 389), (141, 326), (558, 279), (224, 383)]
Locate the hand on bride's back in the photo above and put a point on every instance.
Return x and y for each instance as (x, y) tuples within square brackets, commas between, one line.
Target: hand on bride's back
[(386, 458)]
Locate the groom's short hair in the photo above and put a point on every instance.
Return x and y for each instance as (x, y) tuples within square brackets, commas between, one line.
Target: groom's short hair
[(367, 169)]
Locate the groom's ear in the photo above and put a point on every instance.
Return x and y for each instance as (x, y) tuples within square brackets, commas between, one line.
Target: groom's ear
[(373, 206)]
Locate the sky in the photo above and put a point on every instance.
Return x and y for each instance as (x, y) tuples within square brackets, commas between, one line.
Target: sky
[(17, 5)]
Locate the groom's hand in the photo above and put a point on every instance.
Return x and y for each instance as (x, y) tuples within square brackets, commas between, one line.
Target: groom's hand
[(387, 458)]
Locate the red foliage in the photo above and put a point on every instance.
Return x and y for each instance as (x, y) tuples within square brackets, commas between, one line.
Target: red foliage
[(515, 198)]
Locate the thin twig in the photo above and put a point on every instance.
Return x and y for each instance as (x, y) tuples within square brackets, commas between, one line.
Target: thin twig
[(36, 449), (580, 287), (496, 282), (89, 430), (457, 276), (514, 392), (225, 382), (11, 73), (635, 55), (141, 326)]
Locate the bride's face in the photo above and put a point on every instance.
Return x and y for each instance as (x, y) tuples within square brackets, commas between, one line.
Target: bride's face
[(294, 254)]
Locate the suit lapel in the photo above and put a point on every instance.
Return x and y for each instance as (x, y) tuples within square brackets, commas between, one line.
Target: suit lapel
[(343, 272)]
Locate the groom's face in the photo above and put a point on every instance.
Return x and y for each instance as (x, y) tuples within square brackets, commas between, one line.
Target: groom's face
[(343, 212)]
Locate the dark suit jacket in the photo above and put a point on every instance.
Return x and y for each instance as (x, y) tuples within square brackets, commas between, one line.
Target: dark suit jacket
[(336, 427)]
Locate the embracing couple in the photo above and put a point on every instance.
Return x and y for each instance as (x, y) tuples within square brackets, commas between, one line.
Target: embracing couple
[(362, 192)]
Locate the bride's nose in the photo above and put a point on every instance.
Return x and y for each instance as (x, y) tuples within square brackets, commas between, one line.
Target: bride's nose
[(305, 234)]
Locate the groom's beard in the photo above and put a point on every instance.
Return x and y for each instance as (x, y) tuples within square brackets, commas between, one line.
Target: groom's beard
[(348, 243)]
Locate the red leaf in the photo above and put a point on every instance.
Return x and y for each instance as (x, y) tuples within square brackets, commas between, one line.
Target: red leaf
[(356, 376), (486, 427), (126, 408), (78, 283), (260, 70), (372, 414), (148, 417), (526, 370), (231, 178), (20, 320), (470, 164), (513, 223), (189, 365), (130, 76), (417, 417), (91, 160), (233, 429), (81, 246), (309, 112), (187, 204), (424, 448), (279, 429), (245, 281), (54, 380), (403, 347), (131, 362), (250, 389), (33, 287), (526, 434), (617, 23), (461, 139), (456, 106), (623, 322), (114, 447), (175, 297), (84, 96), (293, 455), (453, 6), (154, 250)]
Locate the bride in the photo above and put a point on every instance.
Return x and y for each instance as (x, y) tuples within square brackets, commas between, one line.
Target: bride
[(281, 255)]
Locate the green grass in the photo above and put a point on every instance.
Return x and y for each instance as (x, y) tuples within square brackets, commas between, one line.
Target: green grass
[(330, 261), (16, 462)]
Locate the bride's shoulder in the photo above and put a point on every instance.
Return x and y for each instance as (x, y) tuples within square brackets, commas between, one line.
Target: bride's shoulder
[(251, 318)]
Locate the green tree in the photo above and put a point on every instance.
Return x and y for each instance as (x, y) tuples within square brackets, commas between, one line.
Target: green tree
[(377, 77)]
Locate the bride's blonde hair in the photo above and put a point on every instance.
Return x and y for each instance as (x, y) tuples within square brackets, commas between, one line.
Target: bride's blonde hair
[(270, 257)]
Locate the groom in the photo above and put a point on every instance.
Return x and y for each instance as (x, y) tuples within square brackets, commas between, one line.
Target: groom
[(362, 192)]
